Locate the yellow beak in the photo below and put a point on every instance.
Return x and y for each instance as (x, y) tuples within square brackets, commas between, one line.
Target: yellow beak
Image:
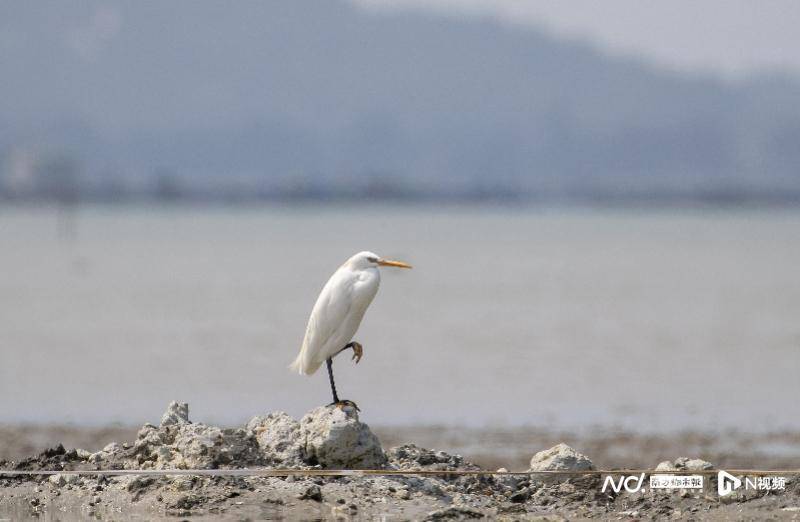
[(389, 262)]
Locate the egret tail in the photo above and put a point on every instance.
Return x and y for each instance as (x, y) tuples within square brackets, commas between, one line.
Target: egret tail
[(303, 365)]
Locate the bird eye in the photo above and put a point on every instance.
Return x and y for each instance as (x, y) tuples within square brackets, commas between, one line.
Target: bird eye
[(372, 259)]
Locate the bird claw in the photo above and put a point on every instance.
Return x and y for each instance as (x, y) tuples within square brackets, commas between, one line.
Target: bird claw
[(358, 352), (344, 404)]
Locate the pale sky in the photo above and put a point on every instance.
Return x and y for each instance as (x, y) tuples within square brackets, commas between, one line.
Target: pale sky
[(732, 37)]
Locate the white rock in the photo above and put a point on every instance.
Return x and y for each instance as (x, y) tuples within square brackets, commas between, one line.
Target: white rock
[(61, 479), (178, 443), (111, 448), (684, 464), (177, 413), (335, 438), (559, 458), (83, 454), (57, 479), (96, 457), (279, 438), (205, 447)]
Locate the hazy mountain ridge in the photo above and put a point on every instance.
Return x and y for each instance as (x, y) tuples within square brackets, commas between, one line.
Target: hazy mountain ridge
[(303, 96)]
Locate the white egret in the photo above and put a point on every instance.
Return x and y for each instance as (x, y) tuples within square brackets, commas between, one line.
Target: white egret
[(337, 315)]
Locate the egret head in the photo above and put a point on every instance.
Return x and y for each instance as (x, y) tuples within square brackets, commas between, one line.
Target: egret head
[(366, 259)]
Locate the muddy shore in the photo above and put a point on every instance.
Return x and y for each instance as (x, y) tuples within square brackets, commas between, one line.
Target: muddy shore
[(335, 439), (510, 448)]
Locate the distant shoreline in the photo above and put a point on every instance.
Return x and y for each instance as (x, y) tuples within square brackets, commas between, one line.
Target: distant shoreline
[(655, 203)]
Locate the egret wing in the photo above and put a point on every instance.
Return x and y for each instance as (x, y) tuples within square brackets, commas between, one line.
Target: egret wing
[(328, 317)]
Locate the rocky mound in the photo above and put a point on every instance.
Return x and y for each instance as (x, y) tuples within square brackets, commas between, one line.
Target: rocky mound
[(325, 438)]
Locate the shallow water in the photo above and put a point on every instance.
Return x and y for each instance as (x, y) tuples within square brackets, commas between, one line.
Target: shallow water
[(563, 318)]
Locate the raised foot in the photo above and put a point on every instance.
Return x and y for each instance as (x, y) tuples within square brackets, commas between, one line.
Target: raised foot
[(358, 352), (345, 404)]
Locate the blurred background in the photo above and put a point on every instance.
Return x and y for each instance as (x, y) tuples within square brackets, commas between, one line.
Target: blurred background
[(600, 201)]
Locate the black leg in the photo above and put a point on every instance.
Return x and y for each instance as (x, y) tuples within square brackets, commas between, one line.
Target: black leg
[(329, 362), (336, 401)]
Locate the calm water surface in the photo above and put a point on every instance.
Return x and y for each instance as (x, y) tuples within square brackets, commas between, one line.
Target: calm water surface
[(558, 318)]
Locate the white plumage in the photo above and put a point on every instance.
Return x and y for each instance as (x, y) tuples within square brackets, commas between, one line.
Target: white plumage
[(339, 309)]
